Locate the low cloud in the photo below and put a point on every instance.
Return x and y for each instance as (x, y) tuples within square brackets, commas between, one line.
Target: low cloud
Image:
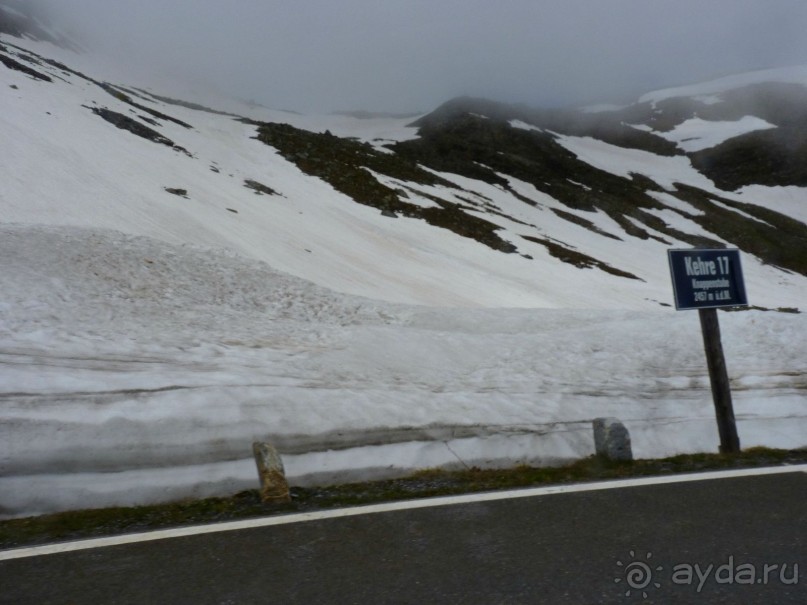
[(408, 55)]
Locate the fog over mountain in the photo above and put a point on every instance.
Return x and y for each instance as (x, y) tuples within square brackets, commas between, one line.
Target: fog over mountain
[(319, 56)]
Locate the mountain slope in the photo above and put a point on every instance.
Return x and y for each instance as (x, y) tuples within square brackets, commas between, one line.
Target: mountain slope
[(470, 208), (184, 274)]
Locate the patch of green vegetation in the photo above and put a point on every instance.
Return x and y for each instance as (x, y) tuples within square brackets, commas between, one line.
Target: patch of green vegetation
[(349, 167), (428, 483), (109, 521), (315, 152)]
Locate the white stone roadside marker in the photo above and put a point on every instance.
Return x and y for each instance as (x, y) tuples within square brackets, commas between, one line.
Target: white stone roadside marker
[(274, 487)]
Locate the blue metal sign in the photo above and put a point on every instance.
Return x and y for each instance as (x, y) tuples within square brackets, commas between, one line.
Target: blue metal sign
[(704, 279)]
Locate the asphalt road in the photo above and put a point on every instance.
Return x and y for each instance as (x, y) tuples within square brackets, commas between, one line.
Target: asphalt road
[(648, 544)]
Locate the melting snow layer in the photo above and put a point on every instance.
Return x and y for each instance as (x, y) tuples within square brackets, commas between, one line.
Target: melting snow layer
[(142, 371)]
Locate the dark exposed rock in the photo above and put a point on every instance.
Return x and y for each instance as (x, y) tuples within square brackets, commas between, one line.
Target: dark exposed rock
[(121, 96), (126, 123), (578, 259), (177, 191), (773, 157), (611, 128), (765, 157), (149, 121), (17, 66), (579, 220), (773, 237), (114, 91), (491, 150), (486, 147), (259, 188)]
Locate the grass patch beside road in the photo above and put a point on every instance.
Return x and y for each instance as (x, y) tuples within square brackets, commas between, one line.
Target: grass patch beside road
[(82, 524)]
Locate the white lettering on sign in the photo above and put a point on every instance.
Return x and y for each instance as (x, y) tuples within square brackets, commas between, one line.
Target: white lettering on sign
[(708, 284), (698, 266)]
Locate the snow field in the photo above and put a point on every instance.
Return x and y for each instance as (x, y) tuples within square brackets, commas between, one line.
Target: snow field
[(143, 371)]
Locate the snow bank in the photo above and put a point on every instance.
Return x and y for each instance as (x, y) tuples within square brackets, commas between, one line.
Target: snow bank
[(136, 371)]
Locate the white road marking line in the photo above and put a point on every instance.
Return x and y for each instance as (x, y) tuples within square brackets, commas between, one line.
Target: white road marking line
[(180, 532)]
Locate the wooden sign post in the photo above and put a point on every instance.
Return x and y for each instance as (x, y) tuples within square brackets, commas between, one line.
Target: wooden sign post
[(719, 378), (707, 280)]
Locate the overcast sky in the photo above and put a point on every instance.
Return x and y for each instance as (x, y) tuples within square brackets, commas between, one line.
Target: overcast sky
[(411, 55)]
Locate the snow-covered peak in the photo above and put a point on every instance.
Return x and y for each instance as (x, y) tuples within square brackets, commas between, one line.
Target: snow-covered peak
[(785, 75)]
